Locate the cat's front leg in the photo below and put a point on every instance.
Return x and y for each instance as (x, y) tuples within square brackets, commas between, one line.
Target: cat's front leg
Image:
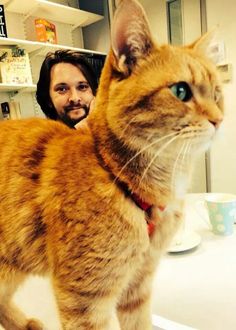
[(96, 319), (166, 221), (85, 310), (101, 322), (134, 308)]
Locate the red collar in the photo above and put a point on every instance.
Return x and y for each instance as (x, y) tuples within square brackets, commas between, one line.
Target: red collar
[(146, 208)]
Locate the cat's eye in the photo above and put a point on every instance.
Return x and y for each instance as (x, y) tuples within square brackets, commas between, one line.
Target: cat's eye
[(182, 91)]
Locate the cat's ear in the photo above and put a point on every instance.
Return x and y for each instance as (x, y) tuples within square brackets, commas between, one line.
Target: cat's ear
[(130, 35), (205, 44)]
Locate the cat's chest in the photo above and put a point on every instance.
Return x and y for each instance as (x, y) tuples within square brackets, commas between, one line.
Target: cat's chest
[(134, 221)]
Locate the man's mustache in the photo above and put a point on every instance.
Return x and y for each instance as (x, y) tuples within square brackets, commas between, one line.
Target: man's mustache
[(77, 106)]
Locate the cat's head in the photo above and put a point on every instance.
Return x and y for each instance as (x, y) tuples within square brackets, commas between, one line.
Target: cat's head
[(163, 100)]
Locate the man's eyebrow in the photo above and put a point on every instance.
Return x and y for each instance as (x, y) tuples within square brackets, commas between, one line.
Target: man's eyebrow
[(66, 84), (61, 83)]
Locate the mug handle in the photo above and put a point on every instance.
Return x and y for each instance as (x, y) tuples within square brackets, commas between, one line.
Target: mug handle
[(233, 212)]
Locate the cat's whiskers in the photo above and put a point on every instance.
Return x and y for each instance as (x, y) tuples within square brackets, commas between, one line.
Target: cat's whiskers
[(181, 162), (195, 132), (173, 176), (141, 151), (200, 138), (126, 127), (150, 136), (155, 156)]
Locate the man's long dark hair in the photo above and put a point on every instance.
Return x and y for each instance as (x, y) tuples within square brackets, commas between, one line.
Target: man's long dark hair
[(43, 85)]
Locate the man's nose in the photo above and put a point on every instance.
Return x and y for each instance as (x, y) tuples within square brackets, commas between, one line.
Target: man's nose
[(74, 96)]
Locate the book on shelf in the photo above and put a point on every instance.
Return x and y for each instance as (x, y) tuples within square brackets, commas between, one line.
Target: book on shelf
[(3, 27), (5, 110), (15, 112), (14, 66), (45, 31), (11, 110)]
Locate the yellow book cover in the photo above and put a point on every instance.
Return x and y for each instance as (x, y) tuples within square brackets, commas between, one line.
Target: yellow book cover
[(45, 31), (14, 66)]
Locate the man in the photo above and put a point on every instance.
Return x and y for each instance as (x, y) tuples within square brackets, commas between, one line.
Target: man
[(66, 87)]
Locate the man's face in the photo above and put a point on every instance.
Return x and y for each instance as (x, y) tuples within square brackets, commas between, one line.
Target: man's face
[(70, 93)]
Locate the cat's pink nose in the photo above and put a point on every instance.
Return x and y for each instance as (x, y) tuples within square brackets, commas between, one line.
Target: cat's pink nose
[(216, 122)]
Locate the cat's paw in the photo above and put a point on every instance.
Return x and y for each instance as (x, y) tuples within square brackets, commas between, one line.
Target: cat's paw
[(34, 325)]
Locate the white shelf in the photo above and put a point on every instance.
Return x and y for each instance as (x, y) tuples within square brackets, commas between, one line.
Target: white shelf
[(47, 47), (51, 11), (40, 47), (29, 46), (17, 87)]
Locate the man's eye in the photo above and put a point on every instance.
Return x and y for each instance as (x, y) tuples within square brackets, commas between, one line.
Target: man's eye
[(83, 87), (61, 89)]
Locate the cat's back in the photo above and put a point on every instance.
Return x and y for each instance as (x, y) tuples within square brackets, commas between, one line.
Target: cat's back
[(30, 130), (42, 160), (29, 150), (25, 142)]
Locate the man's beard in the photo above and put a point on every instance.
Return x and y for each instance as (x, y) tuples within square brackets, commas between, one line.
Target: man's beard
[(72, 122)]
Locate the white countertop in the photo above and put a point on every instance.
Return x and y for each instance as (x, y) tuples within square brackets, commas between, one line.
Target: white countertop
[(195, 289), (198, 288)]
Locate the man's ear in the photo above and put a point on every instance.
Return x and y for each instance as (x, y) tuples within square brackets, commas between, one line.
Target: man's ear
[(130, 35)]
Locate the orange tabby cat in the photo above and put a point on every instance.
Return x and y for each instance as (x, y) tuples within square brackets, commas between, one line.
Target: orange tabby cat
[(94, 209)]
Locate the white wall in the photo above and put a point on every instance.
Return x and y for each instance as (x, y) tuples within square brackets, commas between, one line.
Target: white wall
[(223, 152), (156, 13), (191, 20)]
